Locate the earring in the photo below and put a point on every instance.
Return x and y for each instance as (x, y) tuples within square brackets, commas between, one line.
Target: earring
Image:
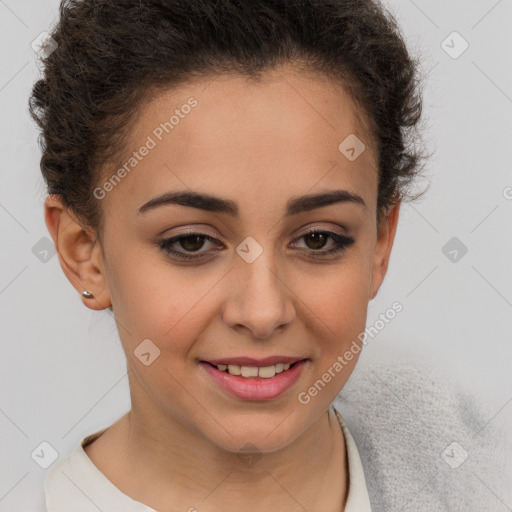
[(87, 295)]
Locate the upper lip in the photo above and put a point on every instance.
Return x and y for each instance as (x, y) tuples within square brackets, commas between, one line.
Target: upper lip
[(250, 361)]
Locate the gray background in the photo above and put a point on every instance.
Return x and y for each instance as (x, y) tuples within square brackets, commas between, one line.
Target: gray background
[(62, 367)]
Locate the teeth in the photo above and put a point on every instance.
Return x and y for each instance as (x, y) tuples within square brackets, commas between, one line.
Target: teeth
[(249, 371), (233, 369), (265, 372)]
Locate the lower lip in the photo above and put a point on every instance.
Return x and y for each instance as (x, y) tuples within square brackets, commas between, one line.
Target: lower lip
[(256, 388)]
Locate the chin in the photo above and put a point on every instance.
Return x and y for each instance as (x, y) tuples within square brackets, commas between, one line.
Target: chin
[(261, 436)]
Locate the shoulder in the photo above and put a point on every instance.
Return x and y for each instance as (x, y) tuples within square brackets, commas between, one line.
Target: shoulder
[(425, 442), (71, 478), (75, 483)]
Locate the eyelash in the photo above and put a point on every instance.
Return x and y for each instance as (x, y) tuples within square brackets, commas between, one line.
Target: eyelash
[(342, 242)]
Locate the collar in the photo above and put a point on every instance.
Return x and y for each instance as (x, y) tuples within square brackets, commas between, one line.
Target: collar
[(358, 499)]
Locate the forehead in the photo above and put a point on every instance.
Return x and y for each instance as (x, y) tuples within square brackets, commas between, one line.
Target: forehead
[(231, 134)]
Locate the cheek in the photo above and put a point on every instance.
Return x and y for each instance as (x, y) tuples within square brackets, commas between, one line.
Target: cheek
[(158, 302), (340, 300), (340, 308)]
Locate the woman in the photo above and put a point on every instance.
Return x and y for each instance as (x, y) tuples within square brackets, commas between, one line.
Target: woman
[(227, 178)]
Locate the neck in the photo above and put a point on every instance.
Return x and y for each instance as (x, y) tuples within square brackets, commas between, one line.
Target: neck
[(161, 462)]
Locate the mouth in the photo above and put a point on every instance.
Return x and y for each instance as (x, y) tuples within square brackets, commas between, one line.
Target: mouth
[(253, 382)]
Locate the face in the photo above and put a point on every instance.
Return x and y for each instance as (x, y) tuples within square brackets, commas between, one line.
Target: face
[(264, 275)]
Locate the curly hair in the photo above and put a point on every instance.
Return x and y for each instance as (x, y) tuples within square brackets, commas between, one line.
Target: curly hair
[(111, 54)]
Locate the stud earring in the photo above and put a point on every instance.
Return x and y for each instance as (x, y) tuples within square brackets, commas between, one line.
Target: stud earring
[(87, 295)]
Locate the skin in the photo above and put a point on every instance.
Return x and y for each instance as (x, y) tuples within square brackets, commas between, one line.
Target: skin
[(258, 144)]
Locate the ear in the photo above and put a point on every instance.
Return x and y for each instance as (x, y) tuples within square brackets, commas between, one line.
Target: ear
[(385, 237), (79, 253)]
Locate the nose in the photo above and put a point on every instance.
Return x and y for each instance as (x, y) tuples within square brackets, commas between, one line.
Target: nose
[(259, 299)]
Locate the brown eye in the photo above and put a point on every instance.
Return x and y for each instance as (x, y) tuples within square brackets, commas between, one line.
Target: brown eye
[(319, 239), (189, 243), (192, 243), (316, 239)]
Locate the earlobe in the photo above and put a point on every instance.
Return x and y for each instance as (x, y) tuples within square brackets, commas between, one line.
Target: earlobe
[(385, 237), (79, 255)]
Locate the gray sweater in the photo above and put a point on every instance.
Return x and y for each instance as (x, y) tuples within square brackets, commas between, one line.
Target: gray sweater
[(426, 443)]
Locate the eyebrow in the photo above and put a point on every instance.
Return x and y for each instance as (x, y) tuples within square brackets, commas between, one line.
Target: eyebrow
[(294, 205)]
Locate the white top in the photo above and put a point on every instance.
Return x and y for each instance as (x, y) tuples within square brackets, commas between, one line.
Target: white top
[(76, 483)]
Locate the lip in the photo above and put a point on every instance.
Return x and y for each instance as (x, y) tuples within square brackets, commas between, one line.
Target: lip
[(251, 361), (255, 388)]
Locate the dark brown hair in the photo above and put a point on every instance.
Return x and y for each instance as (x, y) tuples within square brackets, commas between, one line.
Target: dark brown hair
[(112, 54)]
